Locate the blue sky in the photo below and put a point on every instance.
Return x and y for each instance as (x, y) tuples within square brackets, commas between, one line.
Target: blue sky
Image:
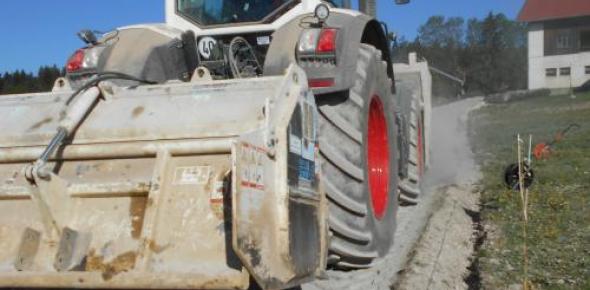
[(42, 32)]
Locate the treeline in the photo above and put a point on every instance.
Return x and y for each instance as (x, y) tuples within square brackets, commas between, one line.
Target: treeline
[(490, 54), (20, 82)]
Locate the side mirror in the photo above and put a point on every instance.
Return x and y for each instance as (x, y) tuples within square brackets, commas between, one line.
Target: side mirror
[(88, 37), (402, 2)]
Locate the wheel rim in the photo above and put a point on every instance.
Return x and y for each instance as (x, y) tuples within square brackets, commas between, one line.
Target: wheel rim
[(378, 158)]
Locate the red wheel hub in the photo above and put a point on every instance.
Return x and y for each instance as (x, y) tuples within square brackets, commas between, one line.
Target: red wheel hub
[(378, 158)]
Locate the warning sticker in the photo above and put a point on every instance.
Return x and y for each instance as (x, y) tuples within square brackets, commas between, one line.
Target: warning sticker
[(217, 192), (216, 199), (294, 144), (263, 40), (308, 150), (251, 169), (195, 175)]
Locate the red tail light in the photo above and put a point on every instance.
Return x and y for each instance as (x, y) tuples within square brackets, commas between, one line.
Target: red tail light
[(321, 83), (76, 61), (327, 41)]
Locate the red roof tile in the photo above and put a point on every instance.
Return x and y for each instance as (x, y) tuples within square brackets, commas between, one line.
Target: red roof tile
[(541, 10)]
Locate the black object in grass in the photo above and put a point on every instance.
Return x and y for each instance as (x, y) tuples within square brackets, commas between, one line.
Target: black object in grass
[(511, 176)]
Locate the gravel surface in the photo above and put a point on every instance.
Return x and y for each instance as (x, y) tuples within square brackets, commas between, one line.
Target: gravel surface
[(433, 242)]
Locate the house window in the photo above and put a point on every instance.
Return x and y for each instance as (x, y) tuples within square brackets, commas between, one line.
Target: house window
[(551, 72), (563, 41), (585, 40), (588, 69), (565, 71)]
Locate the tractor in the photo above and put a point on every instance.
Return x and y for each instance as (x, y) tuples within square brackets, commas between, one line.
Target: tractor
[(243, 142)]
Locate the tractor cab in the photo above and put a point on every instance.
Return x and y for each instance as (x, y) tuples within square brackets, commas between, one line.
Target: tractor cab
[(226, 16), (229, 12)]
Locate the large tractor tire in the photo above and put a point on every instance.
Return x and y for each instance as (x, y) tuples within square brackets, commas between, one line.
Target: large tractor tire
[(358, 135), (411, 187)]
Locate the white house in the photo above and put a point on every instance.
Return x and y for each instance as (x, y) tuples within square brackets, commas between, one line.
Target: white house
[(559, 42)]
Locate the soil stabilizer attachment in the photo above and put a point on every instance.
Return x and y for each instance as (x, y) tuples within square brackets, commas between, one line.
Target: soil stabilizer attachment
[(181, 186)]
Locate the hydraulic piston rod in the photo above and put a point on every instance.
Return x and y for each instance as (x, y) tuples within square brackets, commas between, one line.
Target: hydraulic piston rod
[(73, 116)]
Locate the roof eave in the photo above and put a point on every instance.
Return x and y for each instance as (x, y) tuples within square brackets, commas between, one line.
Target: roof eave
[(544, 19)]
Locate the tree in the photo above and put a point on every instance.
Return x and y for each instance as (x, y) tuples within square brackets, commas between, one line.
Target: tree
[(19, 82), (441, 32), (441, 41), (402, 48), (495, 54), (490, 54), (47, 76)]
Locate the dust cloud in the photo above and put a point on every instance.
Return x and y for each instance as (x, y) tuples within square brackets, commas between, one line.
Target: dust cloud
[(452, 161)]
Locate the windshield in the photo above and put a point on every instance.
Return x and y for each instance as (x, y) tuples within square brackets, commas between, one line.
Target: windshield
[(216, 12)]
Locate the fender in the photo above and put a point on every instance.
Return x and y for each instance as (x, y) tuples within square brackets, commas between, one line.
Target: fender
[(354, 29)]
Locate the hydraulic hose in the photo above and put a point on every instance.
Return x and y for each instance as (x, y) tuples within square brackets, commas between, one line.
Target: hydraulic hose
[(104, 76), (78, 105)]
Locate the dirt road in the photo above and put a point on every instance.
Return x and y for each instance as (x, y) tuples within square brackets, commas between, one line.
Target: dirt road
[(434, 240)]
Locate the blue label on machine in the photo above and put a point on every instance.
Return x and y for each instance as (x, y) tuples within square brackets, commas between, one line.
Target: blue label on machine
[(306, 169)]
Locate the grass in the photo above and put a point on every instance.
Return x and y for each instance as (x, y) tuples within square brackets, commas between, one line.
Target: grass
[(559, 202)]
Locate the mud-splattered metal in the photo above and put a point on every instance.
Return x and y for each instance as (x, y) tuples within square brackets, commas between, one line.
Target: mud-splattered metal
[(170, 186)]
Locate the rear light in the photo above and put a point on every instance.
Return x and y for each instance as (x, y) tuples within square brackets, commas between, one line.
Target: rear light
[(318, 41), (327, 41), (321, 83), (84, 59), (308, 40), (76, 61)]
